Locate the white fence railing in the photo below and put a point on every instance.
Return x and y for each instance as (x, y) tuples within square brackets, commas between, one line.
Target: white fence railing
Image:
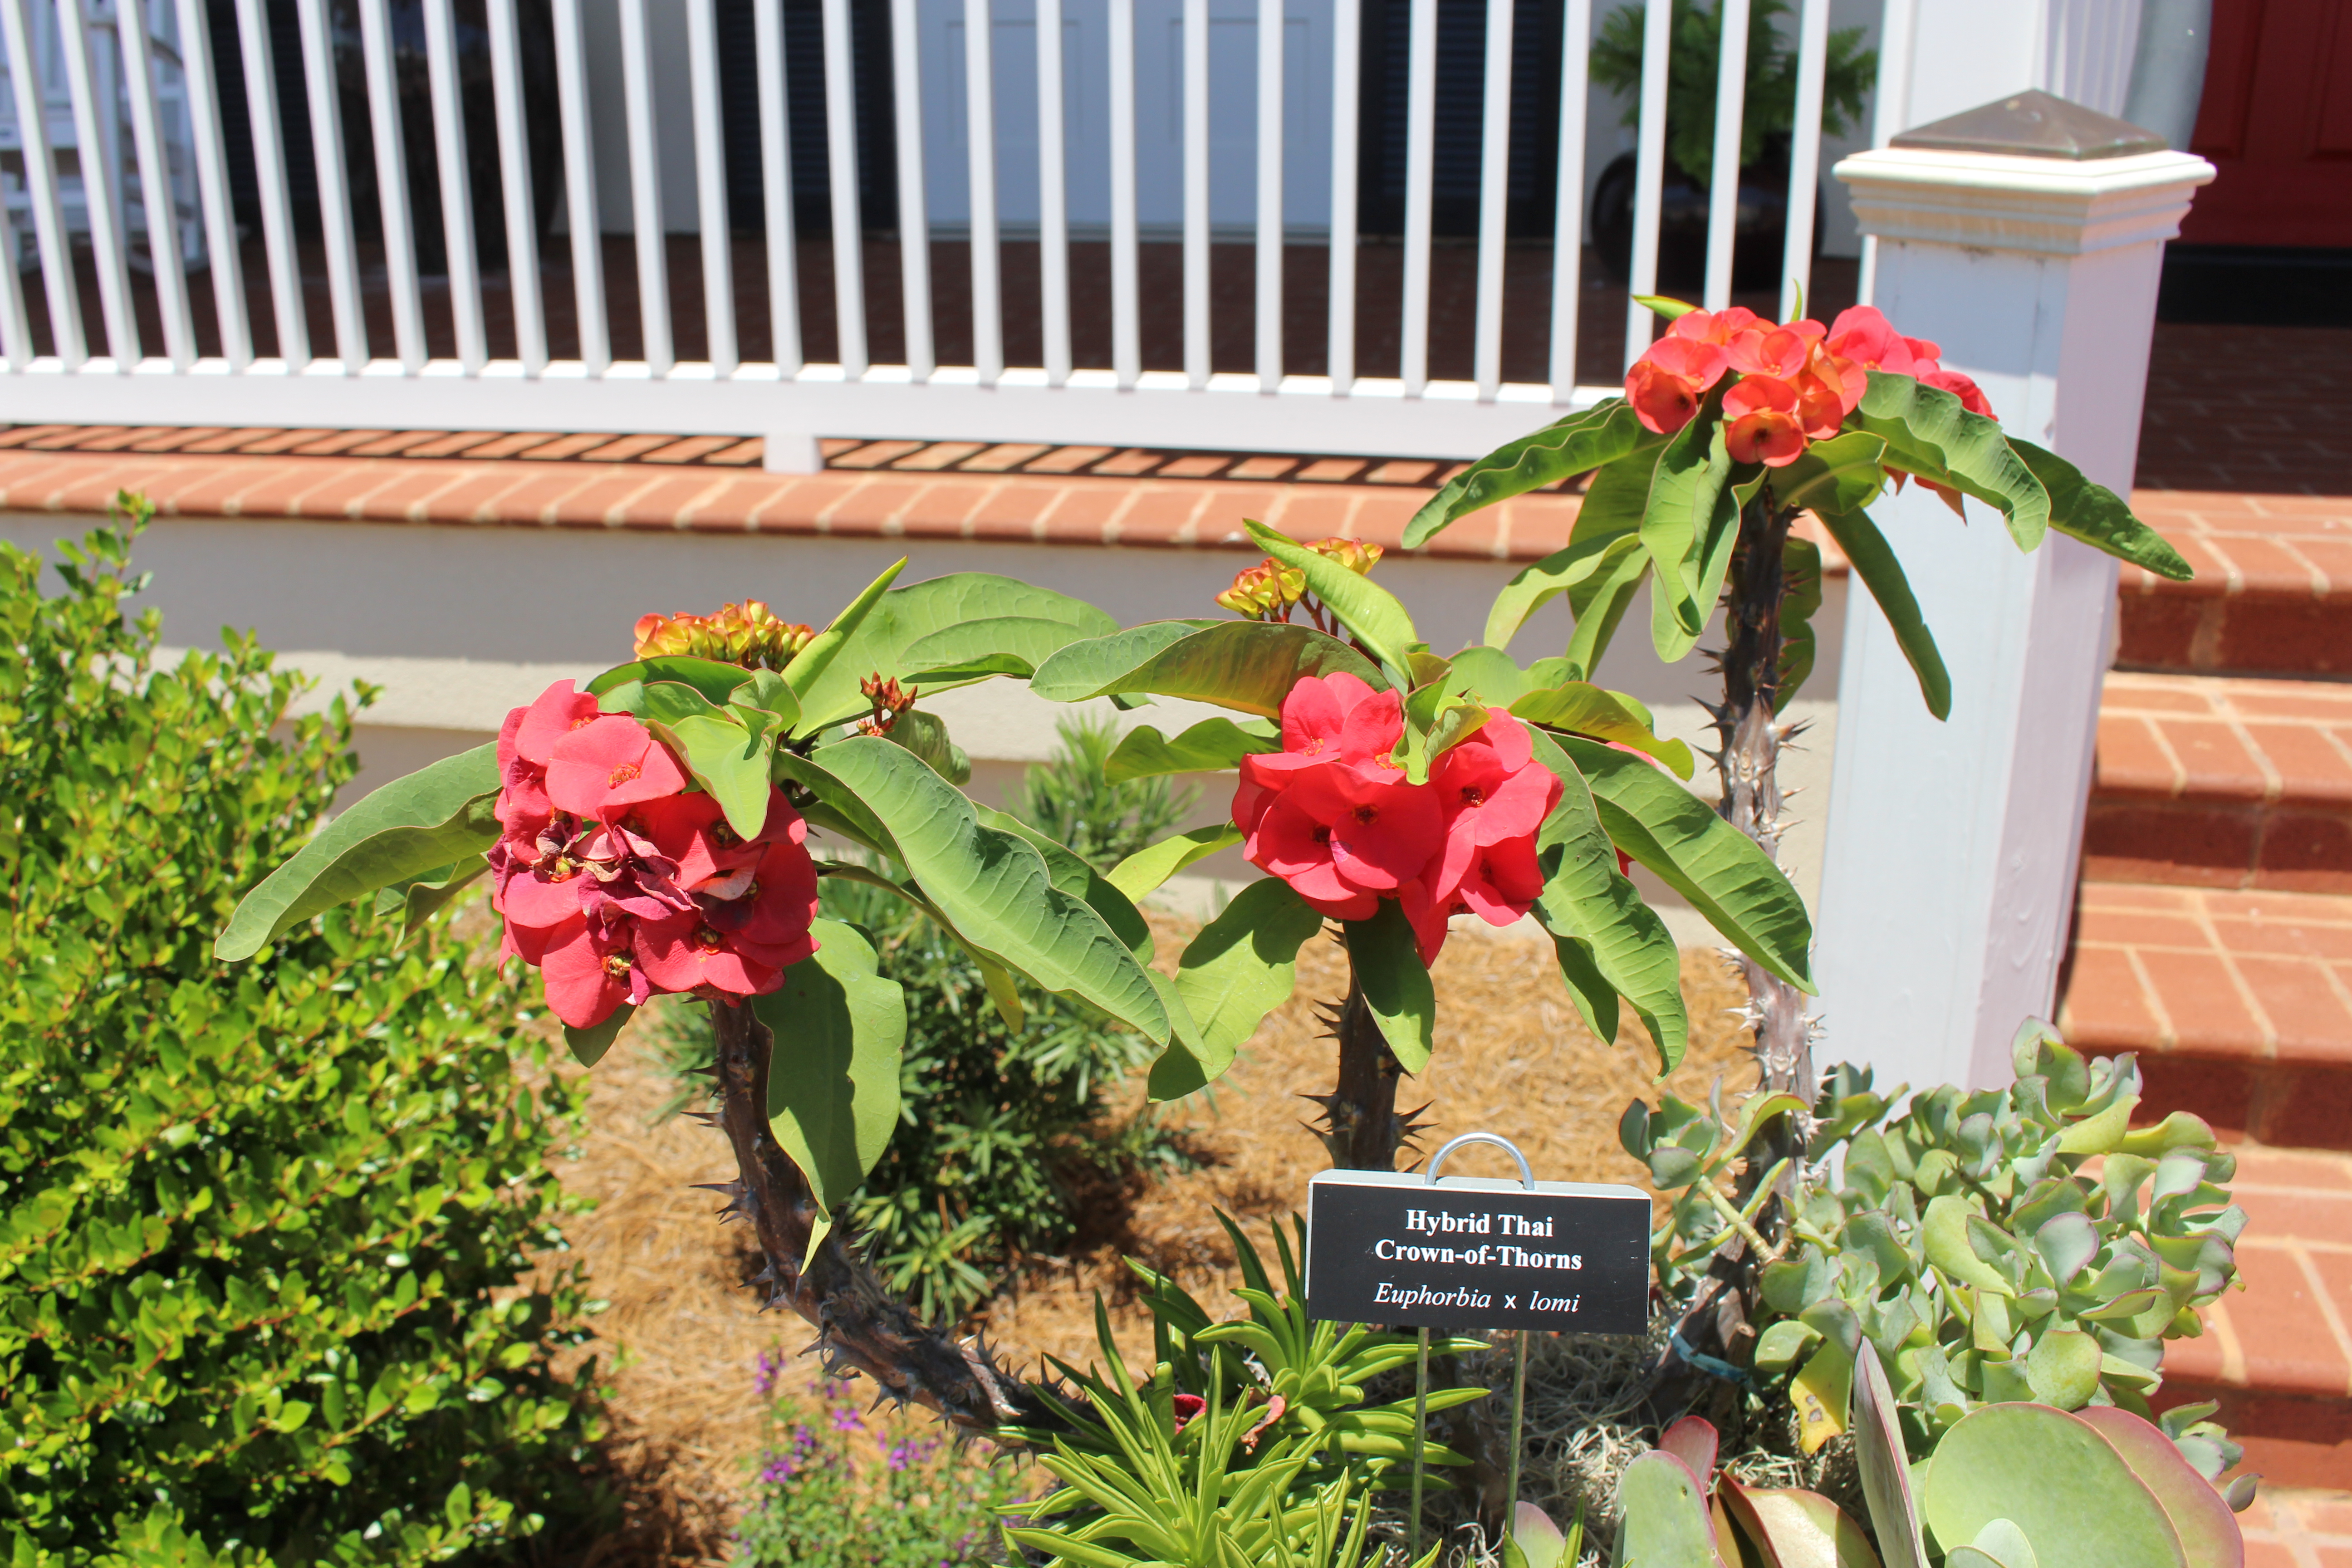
[(1119, 126)]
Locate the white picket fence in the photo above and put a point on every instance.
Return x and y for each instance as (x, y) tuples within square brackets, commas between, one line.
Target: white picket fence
[(1088, 158)]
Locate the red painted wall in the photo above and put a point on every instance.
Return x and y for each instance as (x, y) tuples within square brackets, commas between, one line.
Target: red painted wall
[(2277, 122)]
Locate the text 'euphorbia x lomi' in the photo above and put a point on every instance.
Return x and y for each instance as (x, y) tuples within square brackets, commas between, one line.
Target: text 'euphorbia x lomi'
[(1334, 814), (619, 883)]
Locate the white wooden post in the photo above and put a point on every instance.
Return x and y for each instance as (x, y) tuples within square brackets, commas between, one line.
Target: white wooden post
[(1949, 870)]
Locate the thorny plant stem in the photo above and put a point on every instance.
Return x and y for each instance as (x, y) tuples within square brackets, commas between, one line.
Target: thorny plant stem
[(860, 1323), (1361, 1128)]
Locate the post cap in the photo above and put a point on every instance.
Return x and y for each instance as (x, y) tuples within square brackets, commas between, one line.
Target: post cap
[(2034, 124)]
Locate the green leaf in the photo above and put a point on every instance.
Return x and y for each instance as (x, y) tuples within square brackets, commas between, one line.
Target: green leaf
[(1844, 473), (1213, 743), (765, 703), (809, 666), (1375, 615), (1800, 571), (1667, 1523), (1586, 898), (1594, 996), (724, 757), (1151, 866), (997, 645), (1798, 1529), (1874, 562), (2064, 1368), (2054, 1477), (926, 736), (992, 885), (905, 617), (1599, 603), (432, 818), (1073, 876), (1666, 308), (1929, 435), (1885, 1469), (1566, 447), (1714, 865), (1689, 527), (419, 898), (589, 1045), (715, 681), (1245, 665), (1242, 965), (1585, 708), (2097, 516), (840, 1027), (1396, 984)]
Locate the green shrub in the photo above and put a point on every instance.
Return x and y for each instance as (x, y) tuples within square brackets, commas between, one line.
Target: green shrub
[(840, 1486), (267, 1232), (1072, 801)]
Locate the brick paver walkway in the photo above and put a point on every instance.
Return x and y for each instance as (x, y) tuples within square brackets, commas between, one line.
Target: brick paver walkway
[(2298, 1528)]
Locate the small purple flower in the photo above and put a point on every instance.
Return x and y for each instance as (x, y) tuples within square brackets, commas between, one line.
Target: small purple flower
[(772, 1366), (899, 1456)]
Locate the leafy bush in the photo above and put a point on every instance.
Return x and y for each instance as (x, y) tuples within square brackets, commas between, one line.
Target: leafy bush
[(1001, 1125), (264, 1233), (838, 1487), (1971, 1240)]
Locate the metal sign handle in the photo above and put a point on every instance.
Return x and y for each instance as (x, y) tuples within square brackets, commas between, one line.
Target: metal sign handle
[(1527, 1171)]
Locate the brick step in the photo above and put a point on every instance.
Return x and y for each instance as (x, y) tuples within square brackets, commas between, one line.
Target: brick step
[(2223, 782), (2239, 1003), (2278, 1355), (2273, 593)]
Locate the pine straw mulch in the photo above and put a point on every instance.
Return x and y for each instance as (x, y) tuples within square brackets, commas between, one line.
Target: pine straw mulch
[(681, 1333)]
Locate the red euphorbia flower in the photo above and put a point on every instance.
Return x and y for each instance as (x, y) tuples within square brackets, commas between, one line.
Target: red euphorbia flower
[(1863, 334), (609, 762)]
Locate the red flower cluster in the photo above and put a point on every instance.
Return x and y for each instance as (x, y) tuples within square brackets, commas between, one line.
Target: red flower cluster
[(1331, 814), (1797, 382), (747, 634), (619, 884)]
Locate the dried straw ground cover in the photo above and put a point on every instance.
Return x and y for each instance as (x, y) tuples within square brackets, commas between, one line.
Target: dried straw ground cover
[(682, 1332)]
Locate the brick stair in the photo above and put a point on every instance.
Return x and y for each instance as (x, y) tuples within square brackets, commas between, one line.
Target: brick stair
[(2213, 936)]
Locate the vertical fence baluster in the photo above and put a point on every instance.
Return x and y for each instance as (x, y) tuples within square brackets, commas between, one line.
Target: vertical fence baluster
[(334, 191), (155, 184), (99, 203), (1126, 313), (1269, 195), (710, 186), (457, 193), (914, 211), (41, 185), (1419, 158), (980, 132), (1897, 20), (213, 187), (1568, 210), (16, 330), (1053, 195), (1649, 172), (1805, 156), (1347, 43), (285, 302), (841, 163), (1196, 192), (529, 305), (776, 189), (1494, 196), (1723, 186), (392, 184), (580, 191), (644, 190)]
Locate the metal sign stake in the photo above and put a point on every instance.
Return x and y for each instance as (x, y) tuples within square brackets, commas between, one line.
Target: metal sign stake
[(1420, 1438)]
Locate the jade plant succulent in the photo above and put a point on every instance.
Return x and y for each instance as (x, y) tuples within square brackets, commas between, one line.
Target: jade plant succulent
[(2017, 1243)]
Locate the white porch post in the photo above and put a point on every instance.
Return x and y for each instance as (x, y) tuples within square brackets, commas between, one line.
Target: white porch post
[(1948, 876)]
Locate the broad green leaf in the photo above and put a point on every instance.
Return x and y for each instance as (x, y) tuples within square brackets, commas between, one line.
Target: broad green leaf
[(997, 645), (588, 1046), (993, 886), (1586, 898), (1874, 562), (724, 759), (1488, 675), (1564, 449), (715, 681), (1589, 709), (1594, 996), (1943, 1237), (2202, 1521), (1929, 435), (2063, 1368), (840, 1027), (1396, 984), (1151, 866), (1609, 513), (905, 617), (432, 818), (926, 736), (1885, 1469), (1667, 1523), (1689, 527), (1800, 571), (1844, 473), (419, 899), (1798, 1529), (1241, 966), (1073, 876), (1249, 665), (2056, 1479), (1377, 616), (1714, 865), (1665, 306), (765, 702), (809, 666), (1206, 747), (837, 808), (1822, 1393), (2097, 516), (1600, 602)]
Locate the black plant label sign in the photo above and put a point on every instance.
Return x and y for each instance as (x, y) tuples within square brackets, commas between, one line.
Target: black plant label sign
[(1467, 1253)]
